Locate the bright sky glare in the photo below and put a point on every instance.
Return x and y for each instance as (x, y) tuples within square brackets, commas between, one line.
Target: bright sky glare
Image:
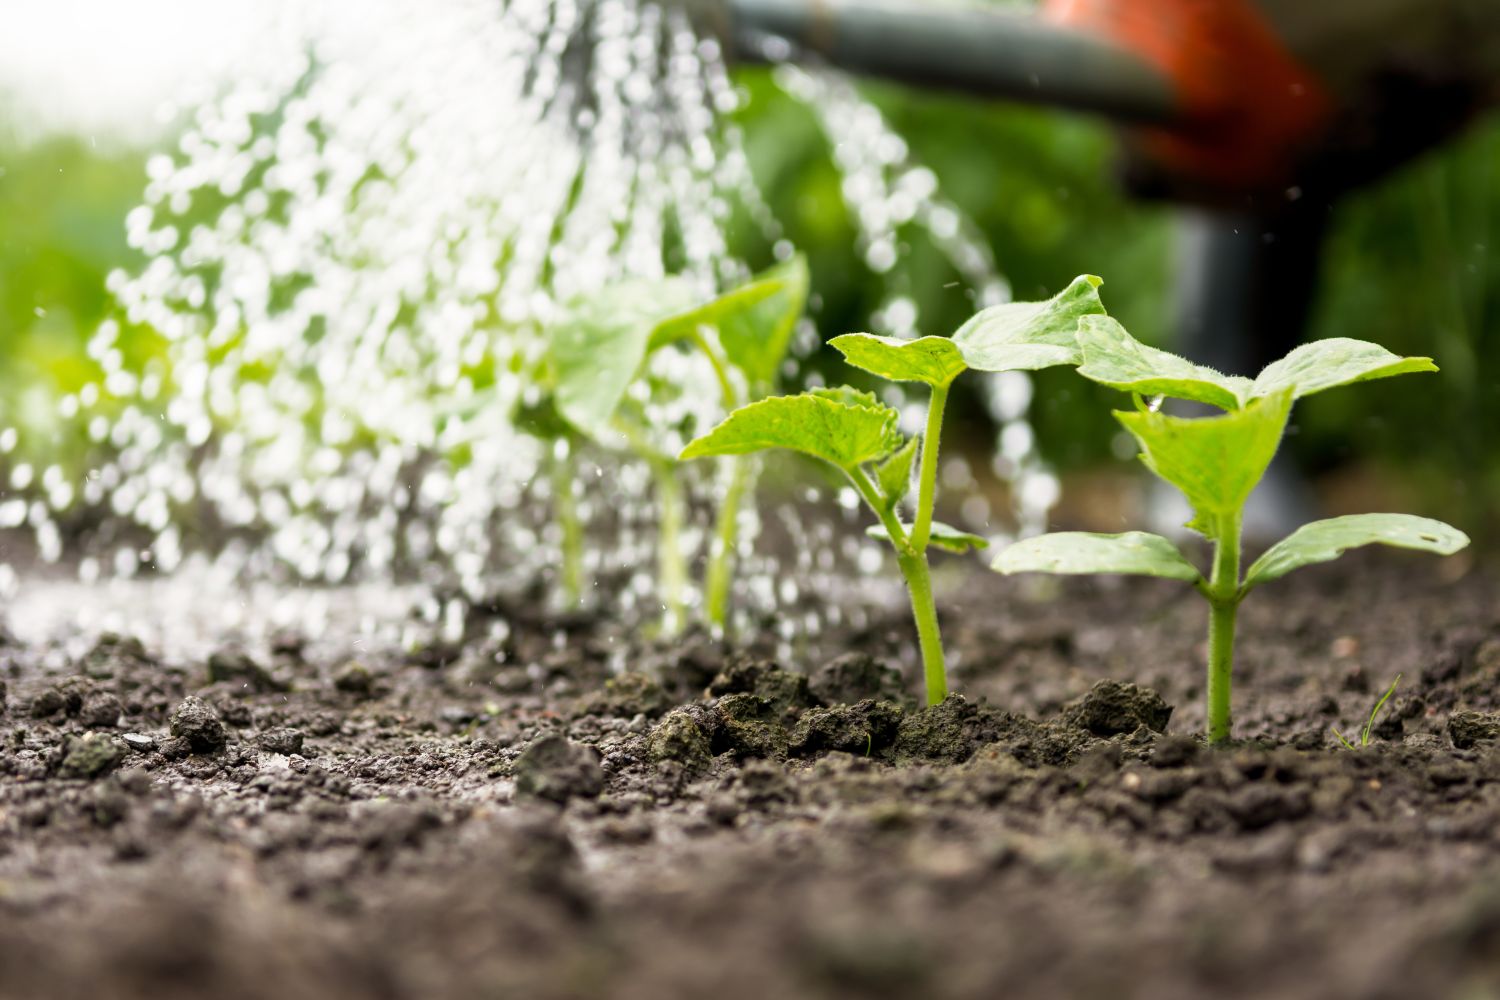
[(115, 70)]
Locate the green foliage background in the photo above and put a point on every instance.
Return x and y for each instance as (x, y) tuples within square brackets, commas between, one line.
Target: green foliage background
[(1409, 265)]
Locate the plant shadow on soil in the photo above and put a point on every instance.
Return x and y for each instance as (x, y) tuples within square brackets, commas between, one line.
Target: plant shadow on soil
[(504, 817)]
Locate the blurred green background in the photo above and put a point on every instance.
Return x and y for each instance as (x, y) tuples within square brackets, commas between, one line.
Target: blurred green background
[(1408, 265)]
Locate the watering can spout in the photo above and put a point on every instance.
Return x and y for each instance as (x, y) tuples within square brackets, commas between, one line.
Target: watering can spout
[(986, 50), (1227, 98)]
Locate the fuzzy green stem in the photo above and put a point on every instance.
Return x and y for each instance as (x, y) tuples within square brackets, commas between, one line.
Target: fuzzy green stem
[(565, 503), (913, 563), (927, 480), (888, 519), (924, 610), (671, 567), (1223, 601), (720, 573)]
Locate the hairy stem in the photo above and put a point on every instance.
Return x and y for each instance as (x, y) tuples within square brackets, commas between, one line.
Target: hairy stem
[(888, 519), (565, 504), (924, 610), (720, 573), (1223, 603), (927, 480), (671, 567), (913, 563)]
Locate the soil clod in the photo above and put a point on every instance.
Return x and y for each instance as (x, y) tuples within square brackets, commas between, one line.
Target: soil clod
[(681, 737), (282, 740), (783, 692), (864, 729), (1114, 708), (855, 677), (556, 769), (90, 756), (752, 727), (198, 727), (627, 696), (354, 678), (949, 732), (1468, 729)]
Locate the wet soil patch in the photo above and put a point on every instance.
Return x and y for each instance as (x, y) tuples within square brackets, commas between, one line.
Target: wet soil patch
[(556, 809)]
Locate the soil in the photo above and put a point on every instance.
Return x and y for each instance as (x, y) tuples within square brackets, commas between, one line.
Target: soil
[(509, 816)]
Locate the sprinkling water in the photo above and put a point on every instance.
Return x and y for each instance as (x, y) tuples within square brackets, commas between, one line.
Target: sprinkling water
[(353, 262)]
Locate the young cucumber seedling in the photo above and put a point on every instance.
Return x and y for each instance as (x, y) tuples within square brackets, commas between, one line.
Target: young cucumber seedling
[(1216, 462), (601, 351), (859, 436)]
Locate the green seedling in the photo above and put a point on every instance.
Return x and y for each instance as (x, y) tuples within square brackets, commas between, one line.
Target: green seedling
[(1216, 462), (601, 352), (859, 436), (1364, 734)]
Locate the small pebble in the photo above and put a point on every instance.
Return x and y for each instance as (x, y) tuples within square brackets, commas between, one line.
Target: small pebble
[(139, 742)]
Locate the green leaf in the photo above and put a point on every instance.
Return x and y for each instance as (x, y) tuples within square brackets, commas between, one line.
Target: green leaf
[(755, 321), (1326, 364), (1020, 336), (1324, 541), (843, 427), (933, 360), (1135, 552), (1112, 357), (1215, 461), (598, 349), (542, 420), (847, 395), (894, 474), (943, 536)]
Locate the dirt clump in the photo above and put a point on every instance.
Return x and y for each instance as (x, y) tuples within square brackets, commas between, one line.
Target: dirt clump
[(856, 677), (557, 769), (198, 727), (1114, 708), (1469, 729)]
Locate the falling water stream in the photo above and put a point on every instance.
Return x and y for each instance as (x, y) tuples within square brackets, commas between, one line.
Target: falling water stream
[(352, 262)]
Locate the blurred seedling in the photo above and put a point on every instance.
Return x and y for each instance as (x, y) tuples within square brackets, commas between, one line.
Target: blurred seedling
[(599, 354)]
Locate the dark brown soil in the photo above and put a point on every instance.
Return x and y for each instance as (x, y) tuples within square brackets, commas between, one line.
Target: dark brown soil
[(503, 818)]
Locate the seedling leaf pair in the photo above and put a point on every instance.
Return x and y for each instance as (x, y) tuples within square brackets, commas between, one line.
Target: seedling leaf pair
[(1112, 357), (1011, 337)]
